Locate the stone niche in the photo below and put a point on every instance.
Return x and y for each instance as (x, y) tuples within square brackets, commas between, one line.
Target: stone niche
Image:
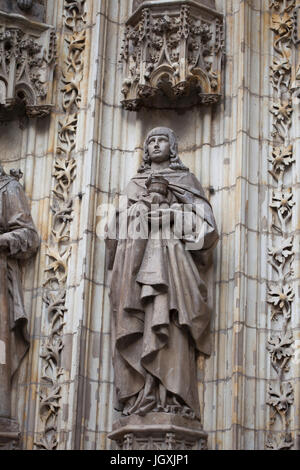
[(27, 62), (172, 54)]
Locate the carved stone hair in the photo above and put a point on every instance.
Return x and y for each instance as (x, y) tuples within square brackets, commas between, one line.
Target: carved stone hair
[(175, 162)]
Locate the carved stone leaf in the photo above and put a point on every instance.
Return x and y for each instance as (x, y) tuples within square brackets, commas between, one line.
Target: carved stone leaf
[(279, 346), (51, 400), (284, 251), (282, 158), (64, 171), (281, 397), (282, 201), (284, 442), (281, 296), (281, 24), (282, 111), (59, 263), (46, 443)]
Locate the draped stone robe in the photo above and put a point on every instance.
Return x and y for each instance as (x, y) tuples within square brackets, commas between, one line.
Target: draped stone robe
[(18, 230), (160, 314)]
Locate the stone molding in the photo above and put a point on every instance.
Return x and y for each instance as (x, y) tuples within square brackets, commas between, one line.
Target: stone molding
[(27, 63), (172, 55)]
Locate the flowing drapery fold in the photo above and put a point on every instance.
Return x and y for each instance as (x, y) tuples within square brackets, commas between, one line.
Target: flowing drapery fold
[(160, 314)]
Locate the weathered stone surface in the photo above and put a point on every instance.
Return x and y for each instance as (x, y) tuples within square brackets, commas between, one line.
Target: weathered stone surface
[(9, 434), (228, 148)]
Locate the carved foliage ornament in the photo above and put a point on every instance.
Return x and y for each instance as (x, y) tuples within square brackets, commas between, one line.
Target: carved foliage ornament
[(27, 62), (175, 51), (280, 291), (59, 251)]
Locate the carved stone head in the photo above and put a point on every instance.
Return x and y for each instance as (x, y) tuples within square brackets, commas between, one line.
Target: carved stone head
[(175, 162)]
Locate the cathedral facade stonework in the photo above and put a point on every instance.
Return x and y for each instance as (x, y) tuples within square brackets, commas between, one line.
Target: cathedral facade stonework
[(111, 107)]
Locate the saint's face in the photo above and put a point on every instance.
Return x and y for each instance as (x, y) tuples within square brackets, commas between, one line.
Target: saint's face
[(159, 148)]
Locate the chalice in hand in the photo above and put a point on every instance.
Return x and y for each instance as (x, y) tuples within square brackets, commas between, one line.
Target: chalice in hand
[(157, 187)]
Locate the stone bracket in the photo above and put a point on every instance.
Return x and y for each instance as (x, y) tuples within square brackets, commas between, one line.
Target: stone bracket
[(158, 431), (27, 62)]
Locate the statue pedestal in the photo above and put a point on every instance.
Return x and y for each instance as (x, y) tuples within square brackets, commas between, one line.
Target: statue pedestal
[(158, 431), (9, 434)]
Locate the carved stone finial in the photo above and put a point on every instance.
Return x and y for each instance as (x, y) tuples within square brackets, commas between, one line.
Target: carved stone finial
[(25, 4), (173, 55)]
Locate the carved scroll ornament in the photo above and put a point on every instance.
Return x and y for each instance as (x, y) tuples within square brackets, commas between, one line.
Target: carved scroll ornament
[(27, 62), (174, 51)]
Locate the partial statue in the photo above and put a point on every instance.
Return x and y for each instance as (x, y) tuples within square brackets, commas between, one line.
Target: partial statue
[(159, 305), (19, 240)]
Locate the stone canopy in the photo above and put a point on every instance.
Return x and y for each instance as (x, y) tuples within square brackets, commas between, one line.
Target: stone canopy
[(172, 54)]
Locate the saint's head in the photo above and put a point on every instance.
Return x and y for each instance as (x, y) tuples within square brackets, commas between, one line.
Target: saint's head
[(161, 151)]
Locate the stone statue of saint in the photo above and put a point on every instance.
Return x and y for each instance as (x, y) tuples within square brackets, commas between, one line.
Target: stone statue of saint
[(160, 313), (18, 240)]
